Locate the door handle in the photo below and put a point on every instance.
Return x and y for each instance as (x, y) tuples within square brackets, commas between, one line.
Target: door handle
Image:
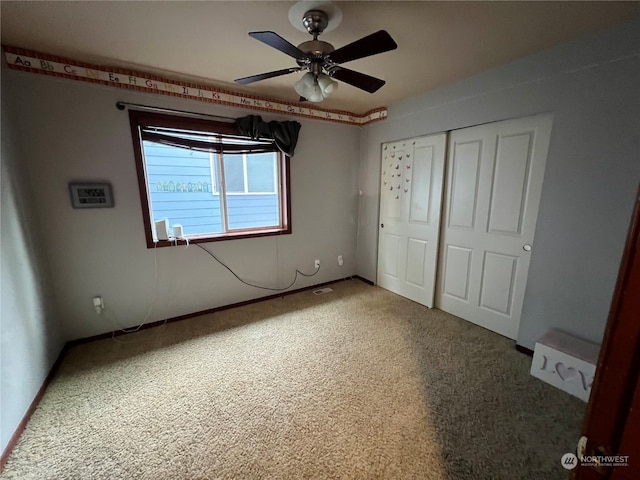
[(526, 247)]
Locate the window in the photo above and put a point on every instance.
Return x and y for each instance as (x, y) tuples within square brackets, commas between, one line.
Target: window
[(204, 176)]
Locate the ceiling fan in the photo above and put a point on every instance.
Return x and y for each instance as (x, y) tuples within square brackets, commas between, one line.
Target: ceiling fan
[(321, 60)]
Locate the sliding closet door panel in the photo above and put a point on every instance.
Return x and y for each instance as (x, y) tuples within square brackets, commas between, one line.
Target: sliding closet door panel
[(493, 185), (410, 204)]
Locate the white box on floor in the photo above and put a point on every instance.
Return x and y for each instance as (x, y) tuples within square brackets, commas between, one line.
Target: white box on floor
[(566, 362)]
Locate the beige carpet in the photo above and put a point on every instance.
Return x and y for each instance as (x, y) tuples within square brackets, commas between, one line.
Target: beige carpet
[(355, 384)]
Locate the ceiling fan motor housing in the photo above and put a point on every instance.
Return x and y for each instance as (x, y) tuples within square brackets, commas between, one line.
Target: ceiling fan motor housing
[(316, 61), (315, 21), (316, 47)]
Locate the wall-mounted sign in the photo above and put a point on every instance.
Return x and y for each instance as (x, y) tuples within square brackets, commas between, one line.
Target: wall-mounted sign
[(91, 195)]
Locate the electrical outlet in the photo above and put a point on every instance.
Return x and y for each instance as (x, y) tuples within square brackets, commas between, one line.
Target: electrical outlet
[(340, 260), (98, 304), (317, 264)]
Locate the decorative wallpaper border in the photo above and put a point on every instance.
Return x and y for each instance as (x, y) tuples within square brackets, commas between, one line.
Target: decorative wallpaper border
[(35, 62)]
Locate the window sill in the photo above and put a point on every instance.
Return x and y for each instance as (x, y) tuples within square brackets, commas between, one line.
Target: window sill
[(267, 232)]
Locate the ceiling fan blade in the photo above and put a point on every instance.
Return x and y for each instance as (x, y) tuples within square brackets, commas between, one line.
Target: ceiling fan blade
[(358, 80), (264, 76), (276, 41), (373, 44)]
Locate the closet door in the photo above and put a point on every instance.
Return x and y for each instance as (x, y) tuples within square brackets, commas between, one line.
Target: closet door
[(410, 204), (493, 187)]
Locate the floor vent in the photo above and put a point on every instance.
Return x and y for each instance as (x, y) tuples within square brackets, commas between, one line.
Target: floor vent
[(321, 291)]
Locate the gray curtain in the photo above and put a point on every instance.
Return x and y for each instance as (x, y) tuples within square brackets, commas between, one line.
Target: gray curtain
[(284, 134)]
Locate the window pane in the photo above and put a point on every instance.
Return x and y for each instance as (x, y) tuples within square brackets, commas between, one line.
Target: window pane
[(260, 172), (247, 211), (250, 210), (233, 173), (180, 189)]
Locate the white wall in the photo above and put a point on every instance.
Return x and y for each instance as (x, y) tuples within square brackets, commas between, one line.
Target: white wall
[(71, 131), (30, 337), (591, 178)]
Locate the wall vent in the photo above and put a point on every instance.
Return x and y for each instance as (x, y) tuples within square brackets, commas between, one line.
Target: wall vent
[(321, 291)]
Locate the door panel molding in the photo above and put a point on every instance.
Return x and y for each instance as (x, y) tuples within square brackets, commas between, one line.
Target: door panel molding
[(492, 292), (457, 265), (461, 186), (503, 203)]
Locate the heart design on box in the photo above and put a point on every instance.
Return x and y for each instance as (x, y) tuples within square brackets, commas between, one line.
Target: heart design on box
[(566, 373)]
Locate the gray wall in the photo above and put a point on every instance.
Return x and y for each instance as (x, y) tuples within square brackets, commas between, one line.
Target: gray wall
[(30, 338), (591, 177), (71, 131)]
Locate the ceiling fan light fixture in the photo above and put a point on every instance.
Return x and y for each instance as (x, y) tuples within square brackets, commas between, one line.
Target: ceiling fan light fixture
[(315, 94), (304, 85), (315, 90), (327, 84)]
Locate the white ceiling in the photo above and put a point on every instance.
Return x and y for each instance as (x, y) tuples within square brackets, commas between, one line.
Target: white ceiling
[(207, 42)]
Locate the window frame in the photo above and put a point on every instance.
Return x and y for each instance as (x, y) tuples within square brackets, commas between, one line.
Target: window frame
[(139, 119)]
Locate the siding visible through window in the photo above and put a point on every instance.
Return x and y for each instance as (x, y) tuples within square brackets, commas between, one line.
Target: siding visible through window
[(234, 173), (261, 173), (182, 190)]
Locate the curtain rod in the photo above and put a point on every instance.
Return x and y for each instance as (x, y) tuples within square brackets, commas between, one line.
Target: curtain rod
[(123, 105)]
